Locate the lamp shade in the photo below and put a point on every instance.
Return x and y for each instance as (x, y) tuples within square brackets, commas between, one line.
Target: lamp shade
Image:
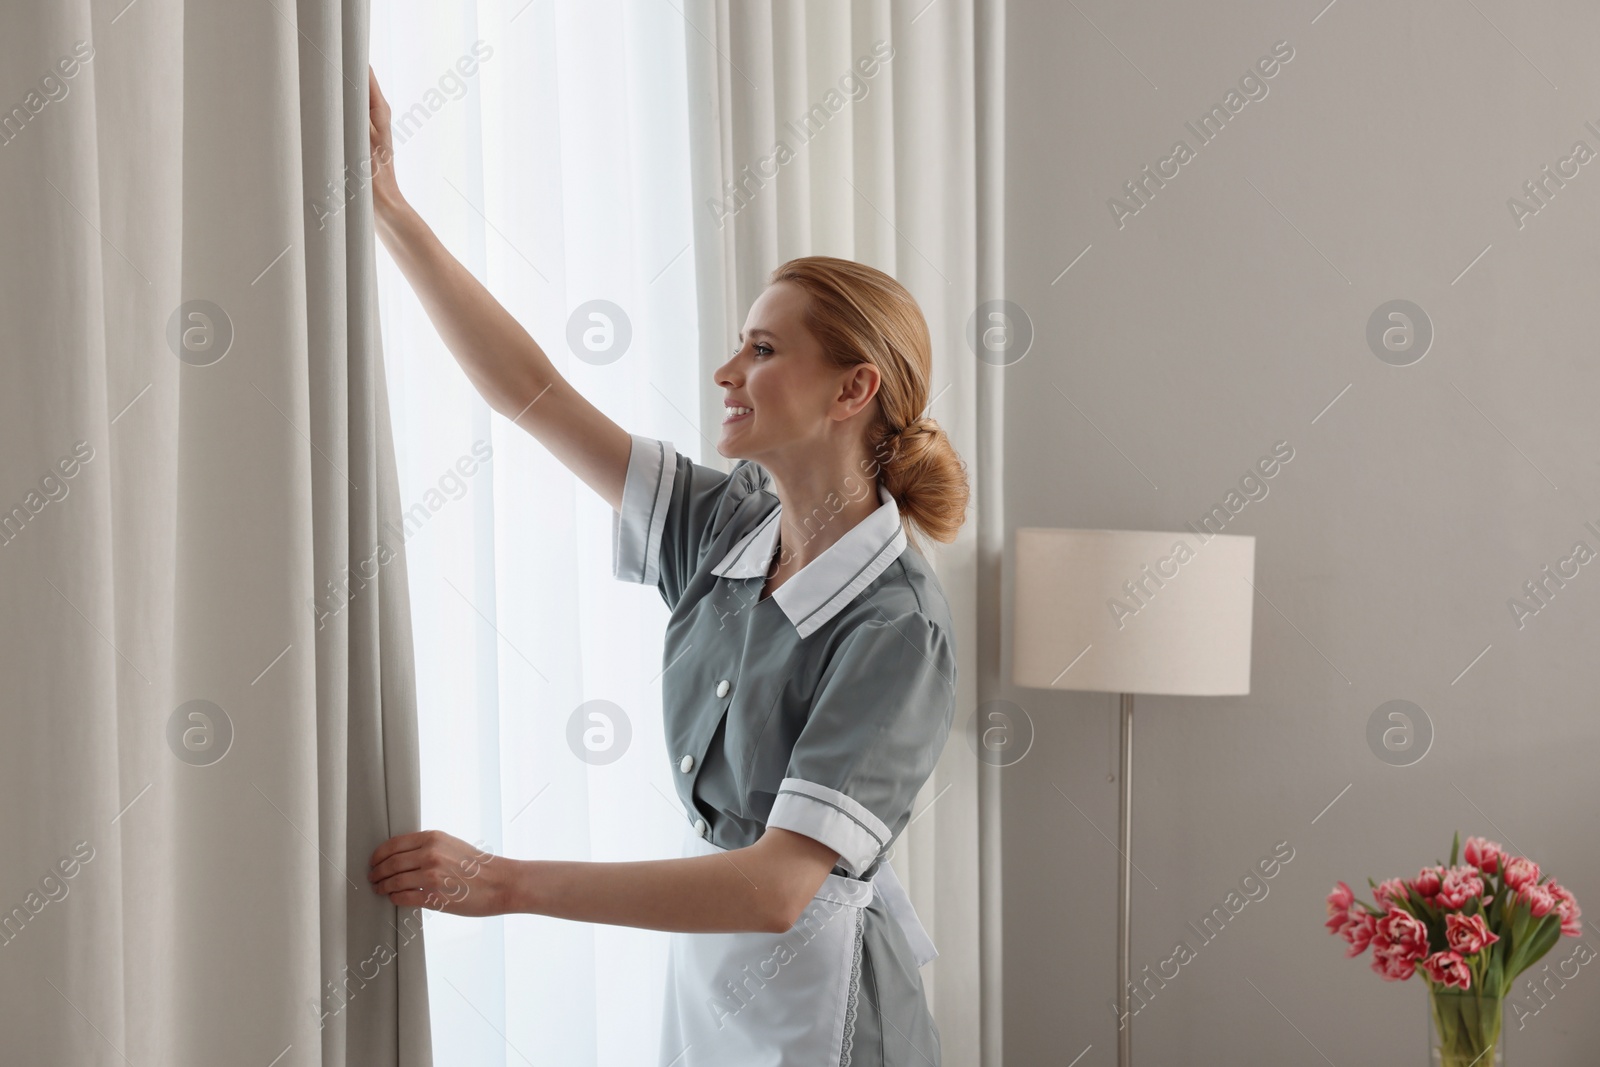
[(1150, 612)]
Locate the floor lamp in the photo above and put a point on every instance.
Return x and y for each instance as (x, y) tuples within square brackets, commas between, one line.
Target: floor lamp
[(1132, 611)]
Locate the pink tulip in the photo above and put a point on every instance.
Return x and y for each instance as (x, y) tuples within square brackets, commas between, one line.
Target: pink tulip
[(1567, 908), (1359, 932), (1467, 934), (1539, 899), (1401, 934), (1483, 854), (1390, 891), (1399, 940), (1460, 885), (1393, 968), (1340, 903), (1427, 881), (1521, 871), (1448, 969)]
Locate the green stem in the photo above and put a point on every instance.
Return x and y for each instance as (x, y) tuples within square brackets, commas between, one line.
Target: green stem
[(1466, 1027)]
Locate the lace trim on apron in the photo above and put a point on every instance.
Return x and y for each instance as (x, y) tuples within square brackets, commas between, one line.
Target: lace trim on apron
[(855, 989)]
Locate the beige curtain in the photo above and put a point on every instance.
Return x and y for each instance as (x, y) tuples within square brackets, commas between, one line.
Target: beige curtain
[(208, 707), (854, 129)]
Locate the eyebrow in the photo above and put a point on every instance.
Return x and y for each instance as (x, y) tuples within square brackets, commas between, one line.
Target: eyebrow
[(761, 332)]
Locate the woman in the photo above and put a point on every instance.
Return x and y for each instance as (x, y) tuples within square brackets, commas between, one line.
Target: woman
[(810, 666)]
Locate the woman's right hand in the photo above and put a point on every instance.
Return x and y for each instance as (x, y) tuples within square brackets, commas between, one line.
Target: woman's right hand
[(385, 190)]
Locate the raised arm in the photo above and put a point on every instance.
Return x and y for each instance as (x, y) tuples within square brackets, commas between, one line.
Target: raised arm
[(502, 361)]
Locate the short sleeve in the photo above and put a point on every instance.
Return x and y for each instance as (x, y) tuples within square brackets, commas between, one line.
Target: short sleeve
[(876, 727), (672, 510)]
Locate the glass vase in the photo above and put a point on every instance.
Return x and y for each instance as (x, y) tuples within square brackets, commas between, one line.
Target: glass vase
[(1464, 1029)]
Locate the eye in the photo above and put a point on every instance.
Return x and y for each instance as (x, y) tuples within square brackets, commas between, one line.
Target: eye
[(765, 350)]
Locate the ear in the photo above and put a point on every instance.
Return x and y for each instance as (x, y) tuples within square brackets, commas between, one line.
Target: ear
[(858, 385)]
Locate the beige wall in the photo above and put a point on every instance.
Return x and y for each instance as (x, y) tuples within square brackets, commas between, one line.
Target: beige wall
[(1225, 316)]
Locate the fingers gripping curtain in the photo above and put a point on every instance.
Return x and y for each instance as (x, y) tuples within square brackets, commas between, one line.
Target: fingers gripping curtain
[(208, 706)]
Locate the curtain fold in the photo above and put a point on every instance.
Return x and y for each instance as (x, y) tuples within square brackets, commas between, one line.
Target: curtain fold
[(852, 130), (209, 710)]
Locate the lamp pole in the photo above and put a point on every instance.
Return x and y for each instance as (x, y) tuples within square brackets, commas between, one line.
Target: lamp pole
[(1125, 888)]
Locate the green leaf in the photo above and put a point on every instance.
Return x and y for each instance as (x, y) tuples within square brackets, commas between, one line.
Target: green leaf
[(1455, 848), (1494, 984), (1543, 938), (1512, 939)]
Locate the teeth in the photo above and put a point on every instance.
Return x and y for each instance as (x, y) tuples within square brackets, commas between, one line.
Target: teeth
[(732, 410)]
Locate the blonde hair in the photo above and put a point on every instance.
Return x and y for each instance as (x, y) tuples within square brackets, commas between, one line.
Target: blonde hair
[(862, 315)]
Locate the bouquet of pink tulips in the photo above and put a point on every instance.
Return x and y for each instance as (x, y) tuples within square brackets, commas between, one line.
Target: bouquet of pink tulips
[(1471, 928)]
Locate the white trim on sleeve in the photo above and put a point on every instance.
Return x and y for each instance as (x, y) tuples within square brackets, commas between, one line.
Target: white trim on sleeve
[(831, 817), (636, 529)]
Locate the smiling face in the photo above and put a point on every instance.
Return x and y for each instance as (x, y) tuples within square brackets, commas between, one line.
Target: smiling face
[(783, 396)]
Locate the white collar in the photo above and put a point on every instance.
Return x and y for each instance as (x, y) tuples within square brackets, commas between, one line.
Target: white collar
[(820, 589)]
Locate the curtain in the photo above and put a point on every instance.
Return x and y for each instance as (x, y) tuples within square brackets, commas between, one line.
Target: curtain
[(209, 710), (853, 129), (546, 144)]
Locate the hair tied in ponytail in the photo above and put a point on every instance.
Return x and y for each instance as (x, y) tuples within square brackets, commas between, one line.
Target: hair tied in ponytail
[(861, 315)]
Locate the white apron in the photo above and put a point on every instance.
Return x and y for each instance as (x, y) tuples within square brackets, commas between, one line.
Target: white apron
[(755, 999)]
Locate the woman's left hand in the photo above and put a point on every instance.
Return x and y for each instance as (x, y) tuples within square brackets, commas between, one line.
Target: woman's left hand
[(431, 869)]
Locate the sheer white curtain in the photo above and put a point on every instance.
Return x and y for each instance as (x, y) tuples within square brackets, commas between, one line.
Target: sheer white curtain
[(546, 143)]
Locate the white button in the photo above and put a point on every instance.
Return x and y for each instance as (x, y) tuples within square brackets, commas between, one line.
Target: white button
[(722, 688), (686, 764), (700, 827)]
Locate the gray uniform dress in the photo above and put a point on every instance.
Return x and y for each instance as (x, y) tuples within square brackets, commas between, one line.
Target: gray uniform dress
[(821, 709)]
